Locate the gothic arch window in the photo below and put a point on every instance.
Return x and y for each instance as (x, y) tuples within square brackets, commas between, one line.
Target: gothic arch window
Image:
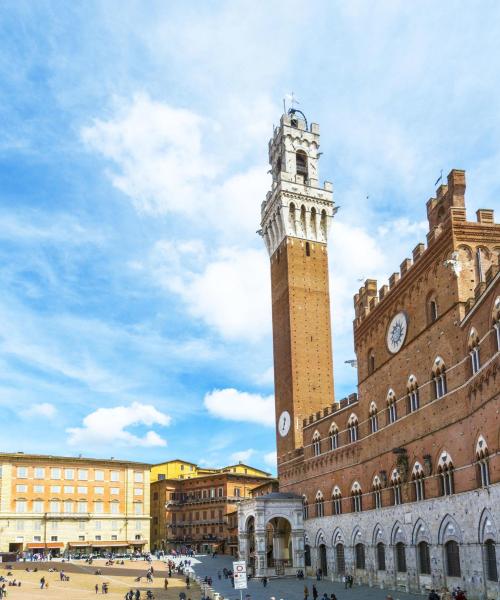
[(439, 378), (316, 443), (313, 224), (336, 501), (377, 492), (323, 225), (352, 428), (473, 347), (320, 504), (360, 556), (303, 225), (371, 361), (392, 413), (482, 458), (490, 557), (340, 556), (413, 394), (452, 556), (292, 219), (496, 321), (357, 497), (445, 472), (305, 508), (381, 556), (396, 485), (432, 308), (373, 418), (424, 558), (400, 557), (334, 436), (418, 481), (301, 164)]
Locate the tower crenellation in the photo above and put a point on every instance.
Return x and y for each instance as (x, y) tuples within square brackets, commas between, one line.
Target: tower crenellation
[(296, 206)]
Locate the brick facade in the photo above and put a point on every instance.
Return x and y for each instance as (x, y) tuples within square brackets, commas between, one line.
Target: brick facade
[(418, 444)]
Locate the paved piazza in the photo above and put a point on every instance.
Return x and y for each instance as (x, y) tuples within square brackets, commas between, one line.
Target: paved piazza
[(289, 588), (81, 585)]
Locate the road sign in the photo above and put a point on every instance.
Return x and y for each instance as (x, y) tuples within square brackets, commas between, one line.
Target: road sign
[(240, 575)]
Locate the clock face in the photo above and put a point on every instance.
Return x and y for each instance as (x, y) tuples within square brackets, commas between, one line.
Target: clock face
[(284, 423), (396, 333)]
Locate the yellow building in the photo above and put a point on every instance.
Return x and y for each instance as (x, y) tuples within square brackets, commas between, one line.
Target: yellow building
[(72, 505), (182, 469)]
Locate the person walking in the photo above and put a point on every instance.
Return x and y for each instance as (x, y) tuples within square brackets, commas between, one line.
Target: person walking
[(306, 592), (42, 583), (315, 593), (433, 595)]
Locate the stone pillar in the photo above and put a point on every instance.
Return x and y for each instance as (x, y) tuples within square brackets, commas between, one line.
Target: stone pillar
[(260, 553), (411, 568), (278, 544), (243, 546), (297, 557)]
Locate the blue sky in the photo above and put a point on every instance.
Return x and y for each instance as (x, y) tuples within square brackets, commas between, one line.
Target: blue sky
[(134, 292)]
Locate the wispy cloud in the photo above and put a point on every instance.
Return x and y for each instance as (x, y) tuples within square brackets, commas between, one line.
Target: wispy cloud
[(233, 405)]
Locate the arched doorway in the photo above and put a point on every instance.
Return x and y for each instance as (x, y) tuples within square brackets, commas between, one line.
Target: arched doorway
[(250, 530), (279, 545), (322, 562)]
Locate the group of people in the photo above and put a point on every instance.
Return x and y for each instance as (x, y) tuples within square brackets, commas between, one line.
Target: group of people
[(131, 595), (315, 594), (457, 594)]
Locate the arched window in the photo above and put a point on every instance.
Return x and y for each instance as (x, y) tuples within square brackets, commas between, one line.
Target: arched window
[(396, 488), (417, 477), (413, 395), (432, 308), (445, 471), (320, 505), (491, 560), (424, 559), (360, 556), (305, 508), (392, 413), (381, 556), (339, 552), (371, 361), (352, 428), (301, 163), (334, 436), (483, 467), (377, 492), (473, 345), (357, 497), (373, 418), (292, 218), (303, 225), (439, 378), (323, 225), (336, 501), (316, 443), (496, 321), (452, 553), (307, 555), (313, 223), (400, 557)]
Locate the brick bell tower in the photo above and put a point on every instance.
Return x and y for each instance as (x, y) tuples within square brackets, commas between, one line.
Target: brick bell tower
[(295, 219)]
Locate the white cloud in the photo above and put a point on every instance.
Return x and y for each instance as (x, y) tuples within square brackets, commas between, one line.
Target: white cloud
[(171, 160), (271, 459), (107, 426), (243, 455), (232, 405), (157, 152), (45, 410), (230, 292)]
